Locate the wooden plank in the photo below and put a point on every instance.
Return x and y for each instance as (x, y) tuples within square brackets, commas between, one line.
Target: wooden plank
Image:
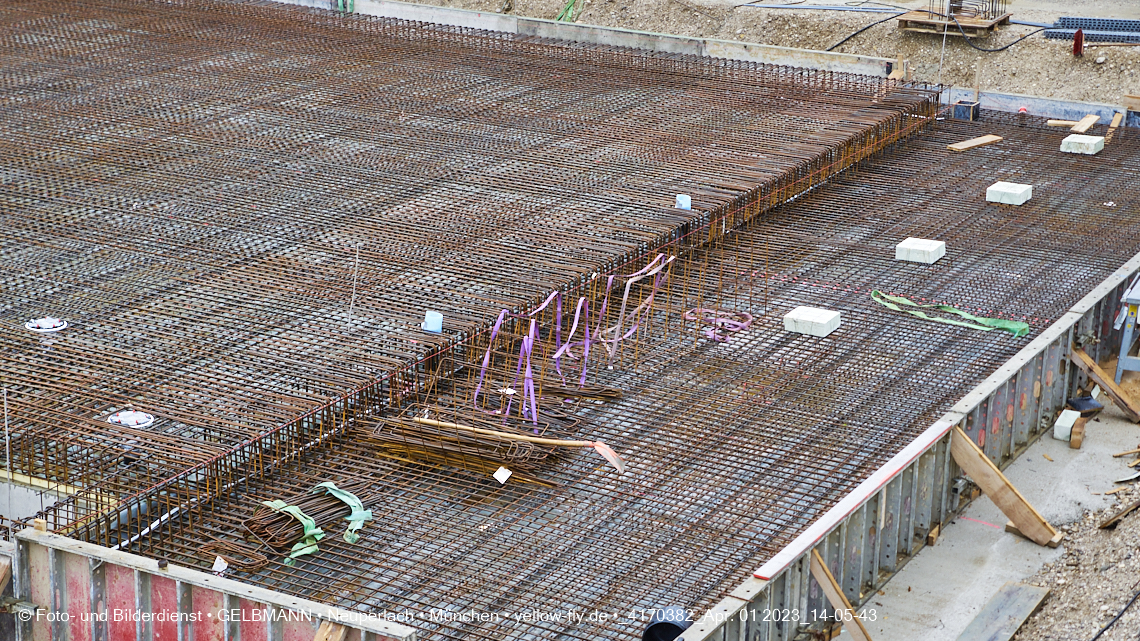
[(5, 572), (1117, 118), (1005, 496), (838, 600), (980, 141), (932, 535), (1122, 454), (1121, 513), (1085, 123), (329, 631), (1106, 382), (1077, 435), (1005, 613), (1131, 103), (1053, 542), (1061, 123)]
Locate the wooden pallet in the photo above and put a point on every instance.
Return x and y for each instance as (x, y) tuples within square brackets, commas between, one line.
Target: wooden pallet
[(925, 22)]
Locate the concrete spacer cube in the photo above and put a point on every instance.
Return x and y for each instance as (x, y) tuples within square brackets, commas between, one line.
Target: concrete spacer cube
[(1063, 428), (920, 250), (1009, 193), (812, 321), (1078, 144)]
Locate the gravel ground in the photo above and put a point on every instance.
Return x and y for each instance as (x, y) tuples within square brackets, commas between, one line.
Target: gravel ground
[(1035, 66), (1097, 576)]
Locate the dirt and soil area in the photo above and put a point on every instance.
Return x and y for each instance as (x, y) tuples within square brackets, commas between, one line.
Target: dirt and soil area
[(1034, 66), (1093, 582)]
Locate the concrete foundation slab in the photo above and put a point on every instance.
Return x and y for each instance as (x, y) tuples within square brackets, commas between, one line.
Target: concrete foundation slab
[(1009, 193), (920, 250), (943, 588)]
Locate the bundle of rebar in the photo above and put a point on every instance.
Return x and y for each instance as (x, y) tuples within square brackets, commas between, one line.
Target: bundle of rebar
[(279, 530), (404, 438)]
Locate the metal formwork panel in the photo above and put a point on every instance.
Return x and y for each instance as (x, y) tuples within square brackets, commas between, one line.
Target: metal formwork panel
[(90, 593)]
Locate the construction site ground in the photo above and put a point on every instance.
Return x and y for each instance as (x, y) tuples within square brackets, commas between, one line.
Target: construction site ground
[(1035, 66), (1091, 575)]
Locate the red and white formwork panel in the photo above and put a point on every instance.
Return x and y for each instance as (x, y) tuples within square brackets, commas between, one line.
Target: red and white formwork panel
[(68, 590)]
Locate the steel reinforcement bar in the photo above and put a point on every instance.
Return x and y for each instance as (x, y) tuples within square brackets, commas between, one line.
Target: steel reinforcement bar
[(876, 529), (249, 417), (895, 114)]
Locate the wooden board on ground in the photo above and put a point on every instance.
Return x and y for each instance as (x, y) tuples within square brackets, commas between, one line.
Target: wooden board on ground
[(1121, 513), (980, 141), (1106, 382), (836, 598), (1077, 434), (1085, 123), (1061, 123), (1005, 613), (1005, 496), (1131, 103)]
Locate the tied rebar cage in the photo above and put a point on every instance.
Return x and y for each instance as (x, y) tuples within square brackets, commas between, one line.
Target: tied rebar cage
[(734, 441), (973, 9), (298, 188), (248, 164)]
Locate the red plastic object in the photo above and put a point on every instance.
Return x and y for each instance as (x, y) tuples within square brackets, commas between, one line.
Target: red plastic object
[(1079, 43)]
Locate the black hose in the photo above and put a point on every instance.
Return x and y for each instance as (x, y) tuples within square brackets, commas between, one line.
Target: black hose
[(1117, 617), (969, 42), (864, 29)]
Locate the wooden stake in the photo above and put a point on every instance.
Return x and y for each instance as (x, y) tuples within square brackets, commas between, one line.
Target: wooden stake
[(987, 476), (837, 599)]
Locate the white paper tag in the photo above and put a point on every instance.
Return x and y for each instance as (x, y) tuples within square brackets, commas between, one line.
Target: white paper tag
[(220, 564), (501, 475)]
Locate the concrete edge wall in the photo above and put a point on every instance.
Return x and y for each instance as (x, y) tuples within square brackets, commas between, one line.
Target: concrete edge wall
[(1038, 106), (871, 533), (614, 37), (69, 580)]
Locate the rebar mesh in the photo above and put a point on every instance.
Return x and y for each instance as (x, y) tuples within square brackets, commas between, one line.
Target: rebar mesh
[(243, 211), (732, 447), (189, 183)]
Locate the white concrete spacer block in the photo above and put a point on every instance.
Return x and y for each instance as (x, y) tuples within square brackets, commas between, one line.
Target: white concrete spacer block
[(1078, 144), (920, 250), (812, 321), (1009, 193), (1063, 428)]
